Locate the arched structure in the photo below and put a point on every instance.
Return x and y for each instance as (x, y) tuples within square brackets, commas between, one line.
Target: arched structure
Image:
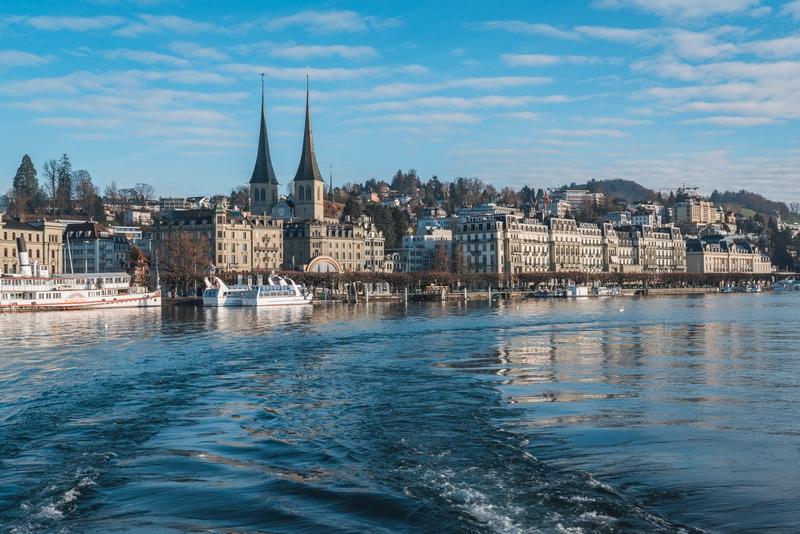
[(322, 264)]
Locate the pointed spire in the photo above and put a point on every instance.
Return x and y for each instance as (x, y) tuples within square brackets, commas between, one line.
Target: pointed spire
[(263, 171), (330, 187), (308, 169)]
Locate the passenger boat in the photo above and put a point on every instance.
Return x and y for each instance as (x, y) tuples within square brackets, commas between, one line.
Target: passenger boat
[(218, 295), (35, 289), (276, 292), (786, 285)]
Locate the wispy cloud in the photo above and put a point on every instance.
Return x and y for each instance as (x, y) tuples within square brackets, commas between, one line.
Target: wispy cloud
[(332, 22), (684, 9), (544, 60), (298, 52), (161, 24), (17, 58), (583, 133), (75, 24), (791, 9), (325, 75), (614, 121), (732, 121), (423, 118), (146, 57), (518, 26), (195, 51)]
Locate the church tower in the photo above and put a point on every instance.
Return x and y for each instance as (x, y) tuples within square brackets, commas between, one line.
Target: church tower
[(308, 182), (263, 184)]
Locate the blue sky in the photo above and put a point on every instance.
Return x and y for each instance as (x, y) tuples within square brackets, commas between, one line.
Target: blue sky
[(663, 92)]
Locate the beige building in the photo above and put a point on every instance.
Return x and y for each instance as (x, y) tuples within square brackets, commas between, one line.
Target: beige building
[(721, 254), (694, 211), (235, 242), (565, 245), (42, 239)]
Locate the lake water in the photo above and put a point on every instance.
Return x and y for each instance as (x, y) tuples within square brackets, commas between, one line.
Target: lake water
[(675, 415)]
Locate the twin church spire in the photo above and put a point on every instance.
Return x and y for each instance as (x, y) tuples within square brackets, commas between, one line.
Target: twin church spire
[(308, 180)]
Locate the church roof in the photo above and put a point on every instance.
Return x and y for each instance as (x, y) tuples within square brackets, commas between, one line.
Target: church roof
[(263, 171), (308, 169)]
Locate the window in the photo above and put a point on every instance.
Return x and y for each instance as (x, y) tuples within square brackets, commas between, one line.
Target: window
[(244, 259), (5, 251), (233, 247), (219, 258), (219, 219), (219, 246), (244, 247), (219, 234)]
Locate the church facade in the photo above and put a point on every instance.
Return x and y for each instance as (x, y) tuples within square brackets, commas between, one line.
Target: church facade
[(313, 237)]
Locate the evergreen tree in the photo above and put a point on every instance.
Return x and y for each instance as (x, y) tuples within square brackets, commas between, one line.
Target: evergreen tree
[(26, 185), (64, 175), (352, 208)]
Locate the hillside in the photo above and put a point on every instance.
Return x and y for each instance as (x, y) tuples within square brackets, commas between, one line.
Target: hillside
[(743, 200)]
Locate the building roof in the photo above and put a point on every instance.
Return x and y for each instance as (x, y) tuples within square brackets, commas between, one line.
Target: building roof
[(263, 171), (88, 230), (14, 224), (308, 169)]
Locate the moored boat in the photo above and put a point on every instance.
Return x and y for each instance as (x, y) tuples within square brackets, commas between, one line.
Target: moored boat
[(276, 292), (787, 284), (35, 289), (219, 295)]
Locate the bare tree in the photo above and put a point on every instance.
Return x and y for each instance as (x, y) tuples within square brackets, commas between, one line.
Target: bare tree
[(183, 259), (85, 191), (143, 193), (50, 172), (112, 195)]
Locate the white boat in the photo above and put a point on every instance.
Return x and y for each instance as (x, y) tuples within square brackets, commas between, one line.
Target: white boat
[(786, 285), (277, 292), (35, 289), (220, 295)]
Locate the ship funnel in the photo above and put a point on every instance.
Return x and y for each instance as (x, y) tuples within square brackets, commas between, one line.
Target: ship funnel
[(24, 262)]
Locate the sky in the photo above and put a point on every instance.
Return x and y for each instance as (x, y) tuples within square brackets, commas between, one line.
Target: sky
[(702, 93)]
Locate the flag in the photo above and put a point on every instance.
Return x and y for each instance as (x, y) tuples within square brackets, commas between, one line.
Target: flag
[(212, 268), (546, 199)]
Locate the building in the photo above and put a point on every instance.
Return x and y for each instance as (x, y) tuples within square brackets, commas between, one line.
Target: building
[(429, 249), (42, 239), (618, 218), (263, 183), (92, 248), (692, 211), (565, 245), (140, 265), (722, 254), (578, 199), (133, 217), (166, 205), (234, 242)]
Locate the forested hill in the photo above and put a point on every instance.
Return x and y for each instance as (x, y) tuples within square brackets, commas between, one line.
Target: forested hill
[(753, 201), (633, 192)]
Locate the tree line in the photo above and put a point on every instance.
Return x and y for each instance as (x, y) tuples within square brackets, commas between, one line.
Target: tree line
[(64, 191)]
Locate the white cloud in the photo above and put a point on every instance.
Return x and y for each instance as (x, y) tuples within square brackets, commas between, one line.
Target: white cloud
[(522, 115), (732, 121), (646, 37), (518, 26), (543, 60), (76, 24), (423, 118), (452, 102), (791, 9), (583, 133), (195, 51), (325, 75), (145, 56), (312, 51), (17, 58), (458, 52), (616, 121), (161, 24), (684, 9), (332, 22)]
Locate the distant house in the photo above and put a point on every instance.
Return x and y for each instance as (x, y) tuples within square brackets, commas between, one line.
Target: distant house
[(136, 217)]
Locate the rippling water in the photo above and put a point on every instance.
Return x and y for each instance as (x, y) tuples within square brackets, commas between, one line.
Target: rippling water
[(634, 415)]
